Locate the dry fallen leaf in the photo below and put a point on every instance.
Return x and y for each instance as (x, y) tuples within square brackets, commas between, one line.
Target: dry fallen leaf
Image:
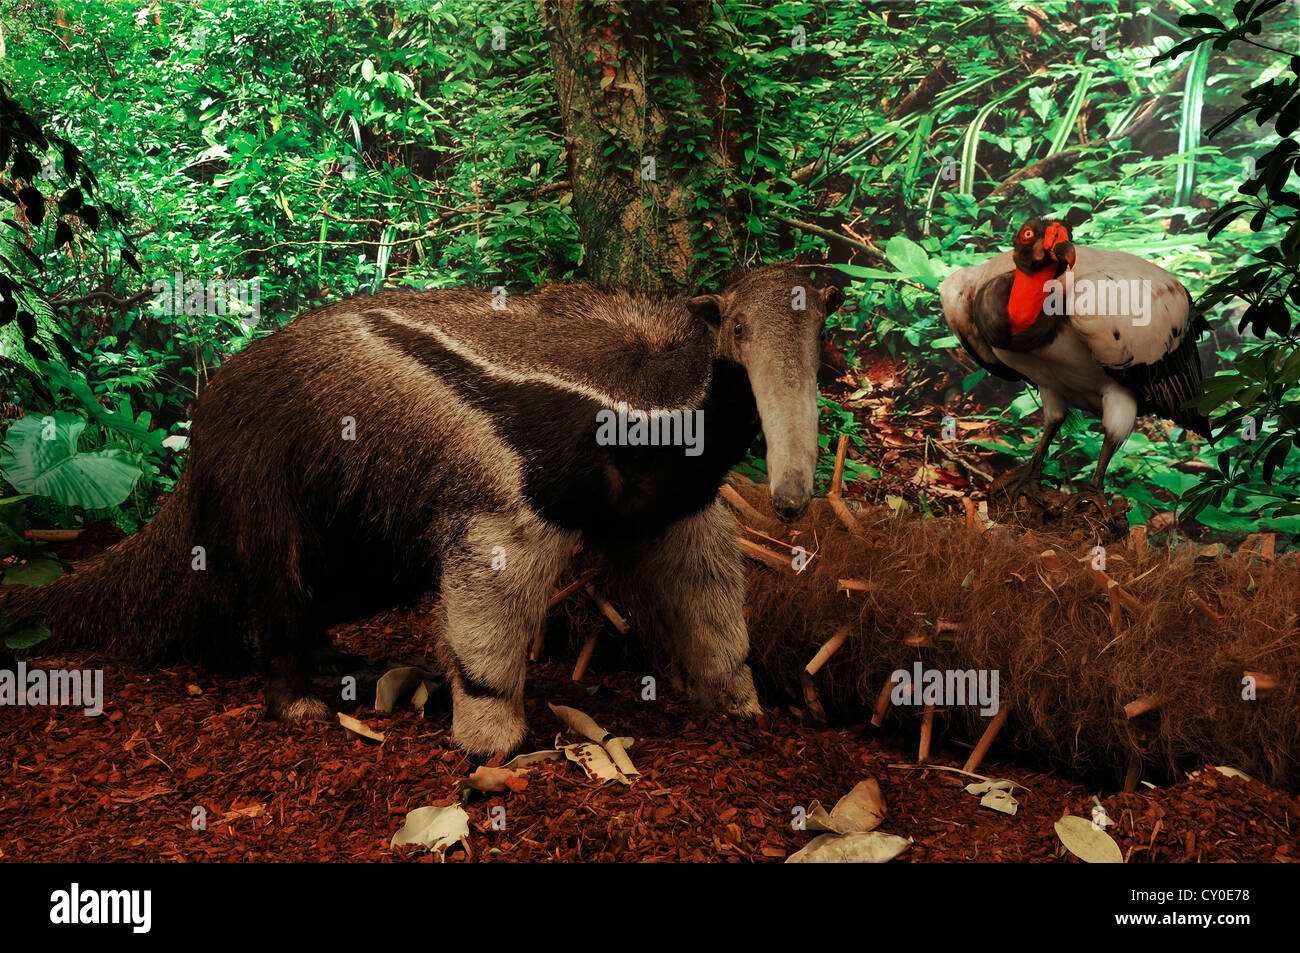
[(1000, 801), (595, 761), (355, 728), (859, 811), (874, 847), (582, 724), (489, 780), (533, 757), (397, 683), (434, 827), (1230, 772), (1082, 838)]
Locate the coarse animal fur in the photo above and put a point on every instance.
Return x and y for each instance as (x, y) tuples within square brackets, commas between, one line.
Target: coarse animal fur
[(446, 439)]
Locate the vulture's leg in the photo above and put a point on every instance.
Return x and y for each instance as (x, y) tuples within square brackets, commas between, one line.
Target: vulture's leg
[(1050, 430), (1054, 412), (1118, 415), (1108, 448)]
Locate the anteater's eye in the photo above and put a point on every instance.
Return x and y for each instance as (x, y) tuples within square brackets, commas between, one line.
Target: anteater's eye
[(738, 330)]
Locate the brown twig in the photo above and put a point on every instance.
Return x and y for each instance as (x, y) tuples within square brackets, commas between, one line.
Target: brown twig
[(837, 475), (584, 657), (102, 296), (961, 461), (927, 729), (539, 639), (1210, 614), (1140, 706), (608, 611), (811, 701), (763, 555), (1265, 684), (882, 703), (845, 515), (1133, 772), (826, 651), (742, 507), (986, 740), (571, 588), (1137, 539), (53, 535)]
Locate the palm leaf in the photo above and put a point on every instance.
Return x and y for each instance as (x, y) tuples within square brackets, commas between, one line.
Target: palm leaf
[(1072, 112), (1189, 130), (970, 142)]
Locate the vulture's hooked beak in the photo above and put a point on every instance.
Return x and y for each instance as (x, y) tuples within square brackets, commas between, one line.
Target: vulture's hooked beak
[(1056, 242)]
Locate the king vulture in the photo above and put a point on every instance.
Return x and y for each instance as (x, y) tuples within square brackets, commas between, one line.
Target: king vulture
[(1104, 331)]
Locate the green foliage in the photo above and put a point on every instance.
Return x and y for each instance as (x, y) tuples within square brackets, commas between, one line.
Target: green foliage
[(1260, 394), (29, 565), (34, 160), (324, 149), (945, 185), (40, 457), (315, 149), (23, 632)]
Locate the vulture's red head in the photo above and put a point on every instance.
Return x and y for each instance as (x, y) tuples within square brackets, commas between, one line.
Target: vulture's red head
[(1042, 243), (1042, 250)]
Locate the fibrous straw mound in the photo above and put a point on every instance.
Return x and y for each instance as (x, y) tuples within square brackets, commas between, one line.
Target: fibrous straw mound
[(1180, 634)]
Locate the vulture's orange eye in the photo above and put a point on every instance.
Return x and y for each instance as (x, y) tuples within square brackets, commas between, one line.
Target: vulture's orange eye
[(1026, 235)]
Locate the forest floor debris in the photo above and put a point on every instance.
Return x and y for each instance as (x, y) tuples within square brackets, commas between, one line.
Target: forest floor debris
[(126, 786), (182, 766)]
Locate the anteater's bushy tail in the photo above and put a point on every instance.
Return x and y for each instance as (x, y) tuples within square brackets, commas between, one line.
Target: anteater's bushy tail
[(142, 599)]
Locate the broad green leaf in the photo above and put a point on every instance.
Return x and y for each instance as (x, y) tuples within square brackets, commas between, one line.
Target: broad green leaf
[(34, 572), (40, 456), (26, 637)]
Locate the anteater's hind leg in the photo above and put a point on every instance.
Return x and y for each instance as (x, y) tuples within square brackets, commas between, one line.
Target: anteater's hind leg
[(496, 580), (289, 696), (293, 639), (688, 587)]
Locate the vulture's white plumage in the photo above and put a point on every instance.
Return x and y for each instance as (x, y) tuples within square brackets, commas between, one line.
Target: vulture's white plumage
[(1103, 331)]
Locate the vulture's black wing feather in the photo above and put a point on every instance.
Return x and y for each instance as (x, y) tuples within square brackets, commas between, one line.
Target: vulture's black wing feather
[(1165, 387)]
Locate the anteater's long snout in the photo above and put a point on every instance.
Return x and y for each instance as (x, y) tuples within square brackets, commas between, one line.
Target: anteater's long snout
[(789, 417), (790, 500)]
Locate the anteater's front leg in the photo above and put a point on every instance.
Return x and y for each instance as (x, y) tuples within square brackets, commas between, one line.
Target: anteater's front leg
[(496, 580), (688, 587)]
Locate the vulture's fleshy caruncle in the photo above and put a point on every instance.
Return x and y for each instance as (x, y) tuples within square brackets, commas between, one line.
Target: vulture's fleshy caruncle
[(1104, 331)]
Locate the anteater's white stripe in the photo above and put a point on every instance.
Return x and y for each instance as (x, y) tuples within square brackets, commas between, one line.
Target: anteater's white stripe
[(468, 436), (518, 376)]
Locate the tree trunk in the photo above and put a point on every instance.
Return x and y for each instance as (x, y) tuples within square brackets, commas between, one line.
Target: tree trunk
[(649, 147)]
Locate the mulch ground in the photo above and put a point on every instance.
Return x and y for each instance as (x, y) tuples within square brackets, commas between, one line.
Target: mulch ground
[(126, 785)]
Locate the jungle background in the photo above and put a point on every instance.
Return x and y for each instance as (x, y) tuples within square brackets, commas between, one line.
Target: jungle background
[(297, 151)]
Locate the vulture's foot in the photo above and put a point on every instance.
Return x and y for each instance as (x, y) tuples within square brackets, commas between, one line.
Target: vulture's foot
[(1023, 480), (1090, 495)]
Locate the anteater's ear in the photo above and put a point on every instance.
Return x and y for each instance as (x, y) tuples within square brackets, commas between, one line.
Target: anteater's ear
[(832, 297), (706, 308)]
